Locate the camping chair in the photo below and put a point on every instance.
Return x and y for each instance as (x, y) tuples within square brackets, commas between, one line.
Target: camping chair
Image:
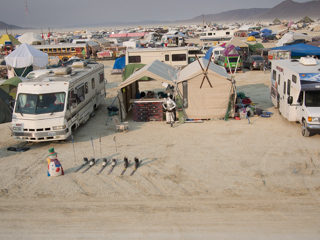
[(123, 126)]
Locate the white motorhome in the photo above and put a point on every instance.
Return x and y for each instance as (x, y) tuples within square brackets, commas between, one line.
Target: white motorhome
[(217, 35), (53, 105), (295, 90), (176, 56)]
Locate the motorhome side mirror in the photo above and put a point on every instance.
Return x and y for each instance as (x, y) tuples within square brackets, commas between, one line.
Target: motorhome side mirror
[(290, 100)]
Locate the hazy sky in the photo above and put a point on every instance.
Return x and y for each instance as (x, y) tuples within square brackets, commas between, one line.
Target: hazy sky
[(63, 13)]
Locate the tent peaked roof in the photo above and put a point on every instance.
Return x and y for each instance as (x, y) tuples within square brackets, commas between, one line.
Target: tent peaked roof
[(155, 70), (194, 69), (26, 55), (9, 38), (276, 21), (306, 19), (237, 43)]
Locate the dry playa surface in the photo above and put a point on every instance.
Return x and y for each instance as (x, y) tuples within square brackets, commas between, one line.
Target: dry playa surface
[(213, 180)]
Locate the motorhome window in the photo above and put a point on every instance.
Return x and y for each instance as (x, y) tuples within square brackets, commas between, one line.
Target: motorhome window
[(209, 34), (300, 98), (284, 87), (59, 49), (80, 94), (166, 57), (312, 99), (216, 52), (101, 77), (294, 78), (274, 75), (50, 50), (73, 49), (179, 57), (195, 52), (92, 83), (227, 33), (278, 79), (40, 104), (288, 87), (134, 59), (63, 50)]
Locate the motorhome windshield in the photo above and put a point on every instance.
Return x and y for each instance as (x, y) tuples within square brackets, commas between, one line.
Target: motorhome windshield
[(312, 99), (40, 103)]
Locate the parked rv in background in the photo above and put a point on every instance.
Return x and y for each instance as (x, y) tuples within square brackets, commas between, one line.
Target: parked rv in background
[(53, 105), (295, 90), (217, 35), (176, 57)]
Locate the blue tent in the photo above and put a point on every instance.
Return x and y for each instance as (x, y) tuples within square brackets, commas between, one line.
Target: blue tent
[(266, 31), (120, 63), (253, 34), (300, 50)]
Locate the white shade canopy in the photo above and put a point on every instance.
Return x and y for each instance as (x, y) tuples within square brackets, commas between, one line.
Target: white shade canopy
[(26, 55)]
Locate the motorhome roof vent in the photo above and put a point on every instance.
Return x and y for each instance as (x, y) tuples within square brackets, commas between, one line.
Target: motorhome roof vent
[(308, 61), (79, 64), (63, 70)]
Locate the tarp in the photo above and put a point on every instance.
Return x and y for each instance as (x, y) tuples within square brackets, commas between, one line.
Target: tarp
[(300, 50), (266, 30), (253, 34), (131, 68), (290, 36), (26, 55), (254, 47), (5, 110)]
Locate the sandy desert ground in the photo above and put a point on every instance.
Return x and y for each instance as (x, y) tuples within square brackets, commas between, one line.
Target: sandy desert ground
[(212, 180)]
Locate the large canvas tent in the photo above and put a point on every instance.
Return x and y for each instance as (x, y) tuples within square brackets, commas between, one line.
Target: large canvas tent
[(199, 103), (24, 58)]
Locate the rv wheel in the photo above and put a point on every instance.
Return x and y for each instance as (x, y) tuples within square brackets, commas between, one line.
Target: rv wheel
[(305, 131)]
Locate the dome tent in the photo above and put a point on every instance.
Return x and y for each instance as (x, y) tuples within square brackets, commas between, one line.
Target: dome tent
[(31, 38)]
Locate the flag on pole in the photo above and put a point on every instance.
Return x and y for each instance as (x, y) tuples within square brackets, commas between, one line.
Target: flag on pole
[(26, 8)]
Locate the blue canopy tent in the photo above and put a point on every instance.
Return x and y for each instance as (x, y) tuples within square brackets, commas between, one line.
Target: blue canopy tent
[(119, 65), (266, 31), (300, 50)]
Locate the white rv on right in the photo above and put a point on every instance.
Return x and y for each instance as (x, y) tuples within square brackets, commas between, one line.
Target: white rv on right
[(295, 90)]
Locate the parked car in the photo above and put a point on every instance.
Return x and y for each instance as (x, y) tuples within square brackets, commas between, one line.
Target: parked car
[(233, 62), (254, 62)]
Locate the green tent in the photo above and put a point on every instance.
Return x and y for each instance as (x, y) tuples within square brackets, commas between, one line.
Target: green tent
[(276, 21), (5, 110), (254, 47), (131, 68), (306, 19), (10, 86)]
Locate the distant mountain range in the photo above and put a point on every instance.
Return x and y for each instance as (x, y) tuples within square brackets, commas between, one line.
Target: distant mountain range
[(286, 10), (3, 26)]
